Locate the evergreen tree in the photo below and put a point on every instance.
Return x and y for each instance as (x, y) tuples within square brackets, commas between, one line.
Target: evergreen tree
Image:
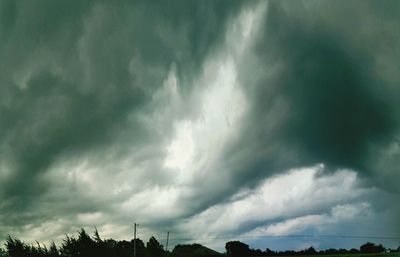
[(53, 251), (154, 248)]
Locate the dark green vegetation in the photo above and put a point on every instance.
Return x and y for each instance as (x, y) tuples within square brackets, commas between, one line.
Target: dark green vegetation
[(236, 248), (93, 246)]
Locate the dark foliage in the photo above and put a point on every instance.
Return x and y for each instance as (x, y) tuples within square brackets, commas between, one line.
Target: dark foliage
[(2, 253), (372, 248), (16, 248), (93, 246), (236, 248), (83, 246), (193, 250), (154, 248)]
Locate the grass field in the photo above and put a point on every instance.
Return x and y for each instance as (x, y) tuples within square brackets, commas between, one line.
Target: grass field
[(397, 254)]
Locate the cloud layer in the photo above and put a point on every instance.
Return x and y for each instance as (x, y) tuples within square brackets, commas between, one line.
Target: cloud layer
[(206, 119)]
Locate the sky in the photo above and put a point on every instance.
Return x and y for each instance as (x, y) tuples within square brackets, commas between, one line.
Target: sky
[(213, 120)]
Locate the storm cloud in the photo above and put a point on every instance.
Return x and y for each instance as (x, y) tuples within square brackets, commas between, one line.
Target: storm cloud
[(173, 114), (73, 72), (319, 97)]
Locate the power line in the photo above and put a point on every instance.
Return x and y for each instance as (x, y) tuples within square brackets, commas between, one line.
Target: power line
[(169, 239), (287, 236)]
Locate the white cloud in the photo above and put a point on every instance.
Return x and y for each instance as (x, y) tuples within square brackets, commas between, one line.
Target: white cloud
[(180, 150), (199, 141), (292, 226), (298, 192), (153, 204), (90, 218)]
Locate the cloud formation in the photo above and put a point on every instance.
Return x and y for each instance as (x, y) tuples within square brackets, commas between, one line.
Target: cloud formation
[(262, 117)]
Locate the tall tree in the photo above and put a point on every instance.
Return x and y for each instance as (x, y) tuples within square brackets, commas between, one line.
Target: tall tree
[(237, 248), (154, 248)]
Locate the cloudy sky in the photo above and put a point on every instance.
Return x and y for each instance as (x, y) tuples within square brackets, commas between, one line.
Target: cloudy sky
[(209, 119)]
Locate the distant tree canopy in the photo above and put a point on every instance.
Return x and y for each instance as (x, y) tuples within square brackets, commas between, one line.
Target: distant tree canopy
[(237, 248), (93, 246), (372, 248)]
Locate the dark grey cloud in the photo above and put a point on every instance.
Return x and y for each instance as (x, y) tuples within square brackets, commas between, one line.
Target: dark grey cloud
[(336, 108), (317, 95), (320, 91), (321, 96), (92, 94), (73, 73)]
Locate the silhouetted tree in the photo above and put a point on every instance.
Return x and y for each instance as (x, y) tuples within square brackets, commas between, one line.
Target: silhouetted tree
[(124, 248), (140, 247), (2, 252), (108, 247), (93, 246), (86, 244), (269, 252), (310, 251), (83, 246), (372, 248), (100, 248), (38, 251), (154, 248), (16, 248), (68, 247), (256, 252), (53, 251), (237, 248)]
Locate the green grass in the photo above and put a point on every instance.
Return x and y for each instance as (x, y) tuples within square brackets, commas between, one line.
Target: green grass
[(347, 255)]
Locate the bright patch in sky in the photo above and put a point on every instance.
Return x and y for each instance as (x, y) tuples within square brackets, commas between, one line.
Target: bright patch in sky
[(197, 143), (180, 151)]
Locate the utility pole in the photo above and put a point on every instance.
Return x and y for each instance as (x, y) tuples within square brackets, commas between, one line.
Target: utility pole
[(134, 240), (166, 245)]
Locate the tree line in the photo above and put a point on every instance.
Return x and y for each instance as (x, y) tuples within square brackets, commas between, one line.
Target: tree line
[(85, 245), (237, 248)]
